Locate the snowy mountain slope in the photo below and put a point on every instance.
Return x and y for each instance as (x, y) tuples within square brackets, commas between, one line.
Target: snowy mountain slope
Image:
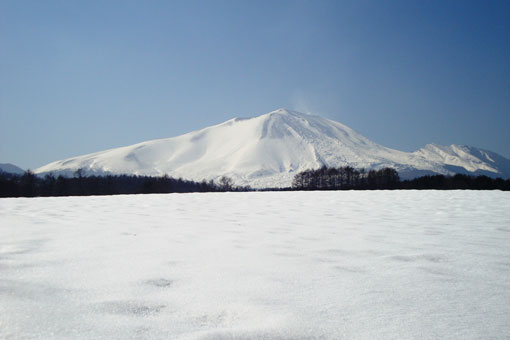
[(267, 151), (466, 159), (11, 169)]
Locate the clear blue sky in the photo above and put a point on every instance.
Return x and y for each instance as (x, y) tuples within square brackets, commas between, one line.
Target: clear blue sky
[(83, 76)]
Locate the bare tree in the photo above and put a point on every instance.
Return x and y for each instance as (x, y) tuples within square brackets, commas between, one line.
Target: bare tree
[(226, 183)]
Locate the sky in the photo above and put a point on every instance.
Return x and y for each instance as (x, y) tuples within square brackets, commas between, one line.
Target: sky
[(83, 76)]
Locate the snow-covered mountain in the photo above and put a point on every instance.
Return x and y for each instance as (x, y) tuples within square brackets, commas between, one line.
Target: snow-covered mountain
[(11, 169), (268, 150)]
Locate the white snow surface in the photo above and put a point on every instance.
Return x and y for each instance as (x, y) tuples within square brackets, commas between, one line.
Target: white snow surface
[(259, 265), (268, 151)]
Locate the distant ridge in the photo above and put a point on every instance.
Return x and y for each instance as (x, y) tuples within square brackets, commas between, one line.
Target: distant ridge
[(268, 150), (11, 169)]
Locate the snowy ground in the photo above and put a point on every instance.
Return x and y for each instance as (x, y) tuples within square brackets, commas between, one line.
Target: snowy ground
[(273, 266)]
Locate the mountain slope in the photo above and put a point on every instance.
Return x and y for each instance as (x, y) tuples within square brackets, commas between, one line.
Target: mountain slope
[(11, 169), (466, 159), (266, 151)]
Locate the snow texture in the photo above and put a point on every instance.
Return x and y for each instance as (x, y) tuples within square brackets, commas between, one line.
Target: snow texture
[(273, 266), (269, 150)]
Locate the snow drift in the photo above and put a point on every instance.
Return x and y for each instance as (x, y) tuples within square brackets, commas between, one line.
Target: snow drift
[(336, 265)]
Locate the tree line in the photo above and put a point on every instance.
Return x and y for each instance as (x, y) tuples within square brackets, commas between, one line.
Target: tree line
[(325, 178), (456, 182), (346, 178), (349, 178), (30, 185)]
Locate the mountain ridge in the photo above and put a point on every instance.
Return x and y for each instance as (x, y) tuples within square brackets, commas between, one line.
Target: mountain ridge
[(269, 149), (11, 169)]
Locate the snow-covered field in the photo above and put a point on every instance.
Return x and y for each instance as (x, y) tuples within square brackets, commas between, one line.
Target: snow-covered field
[(286, 266)]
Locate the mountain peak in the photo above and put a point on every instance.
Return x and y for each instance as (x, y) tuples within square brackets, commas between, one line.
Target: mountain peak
[(268, 150), (287, 112), (274, 113), (281, 110), (11, 168)]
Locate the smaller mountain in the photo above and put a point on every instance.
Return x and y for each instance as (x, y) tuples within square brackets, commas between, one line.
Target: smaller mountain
[(464, 159), (11, 169)]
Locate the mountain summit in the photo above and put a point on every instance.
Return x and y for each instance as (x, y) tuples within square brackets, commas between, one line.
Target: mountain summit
[(268, 150), (11, 169)]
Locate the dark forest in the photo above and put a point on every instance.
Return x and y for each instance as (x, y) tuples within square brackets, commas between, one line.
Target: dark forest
[(342, 178)]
